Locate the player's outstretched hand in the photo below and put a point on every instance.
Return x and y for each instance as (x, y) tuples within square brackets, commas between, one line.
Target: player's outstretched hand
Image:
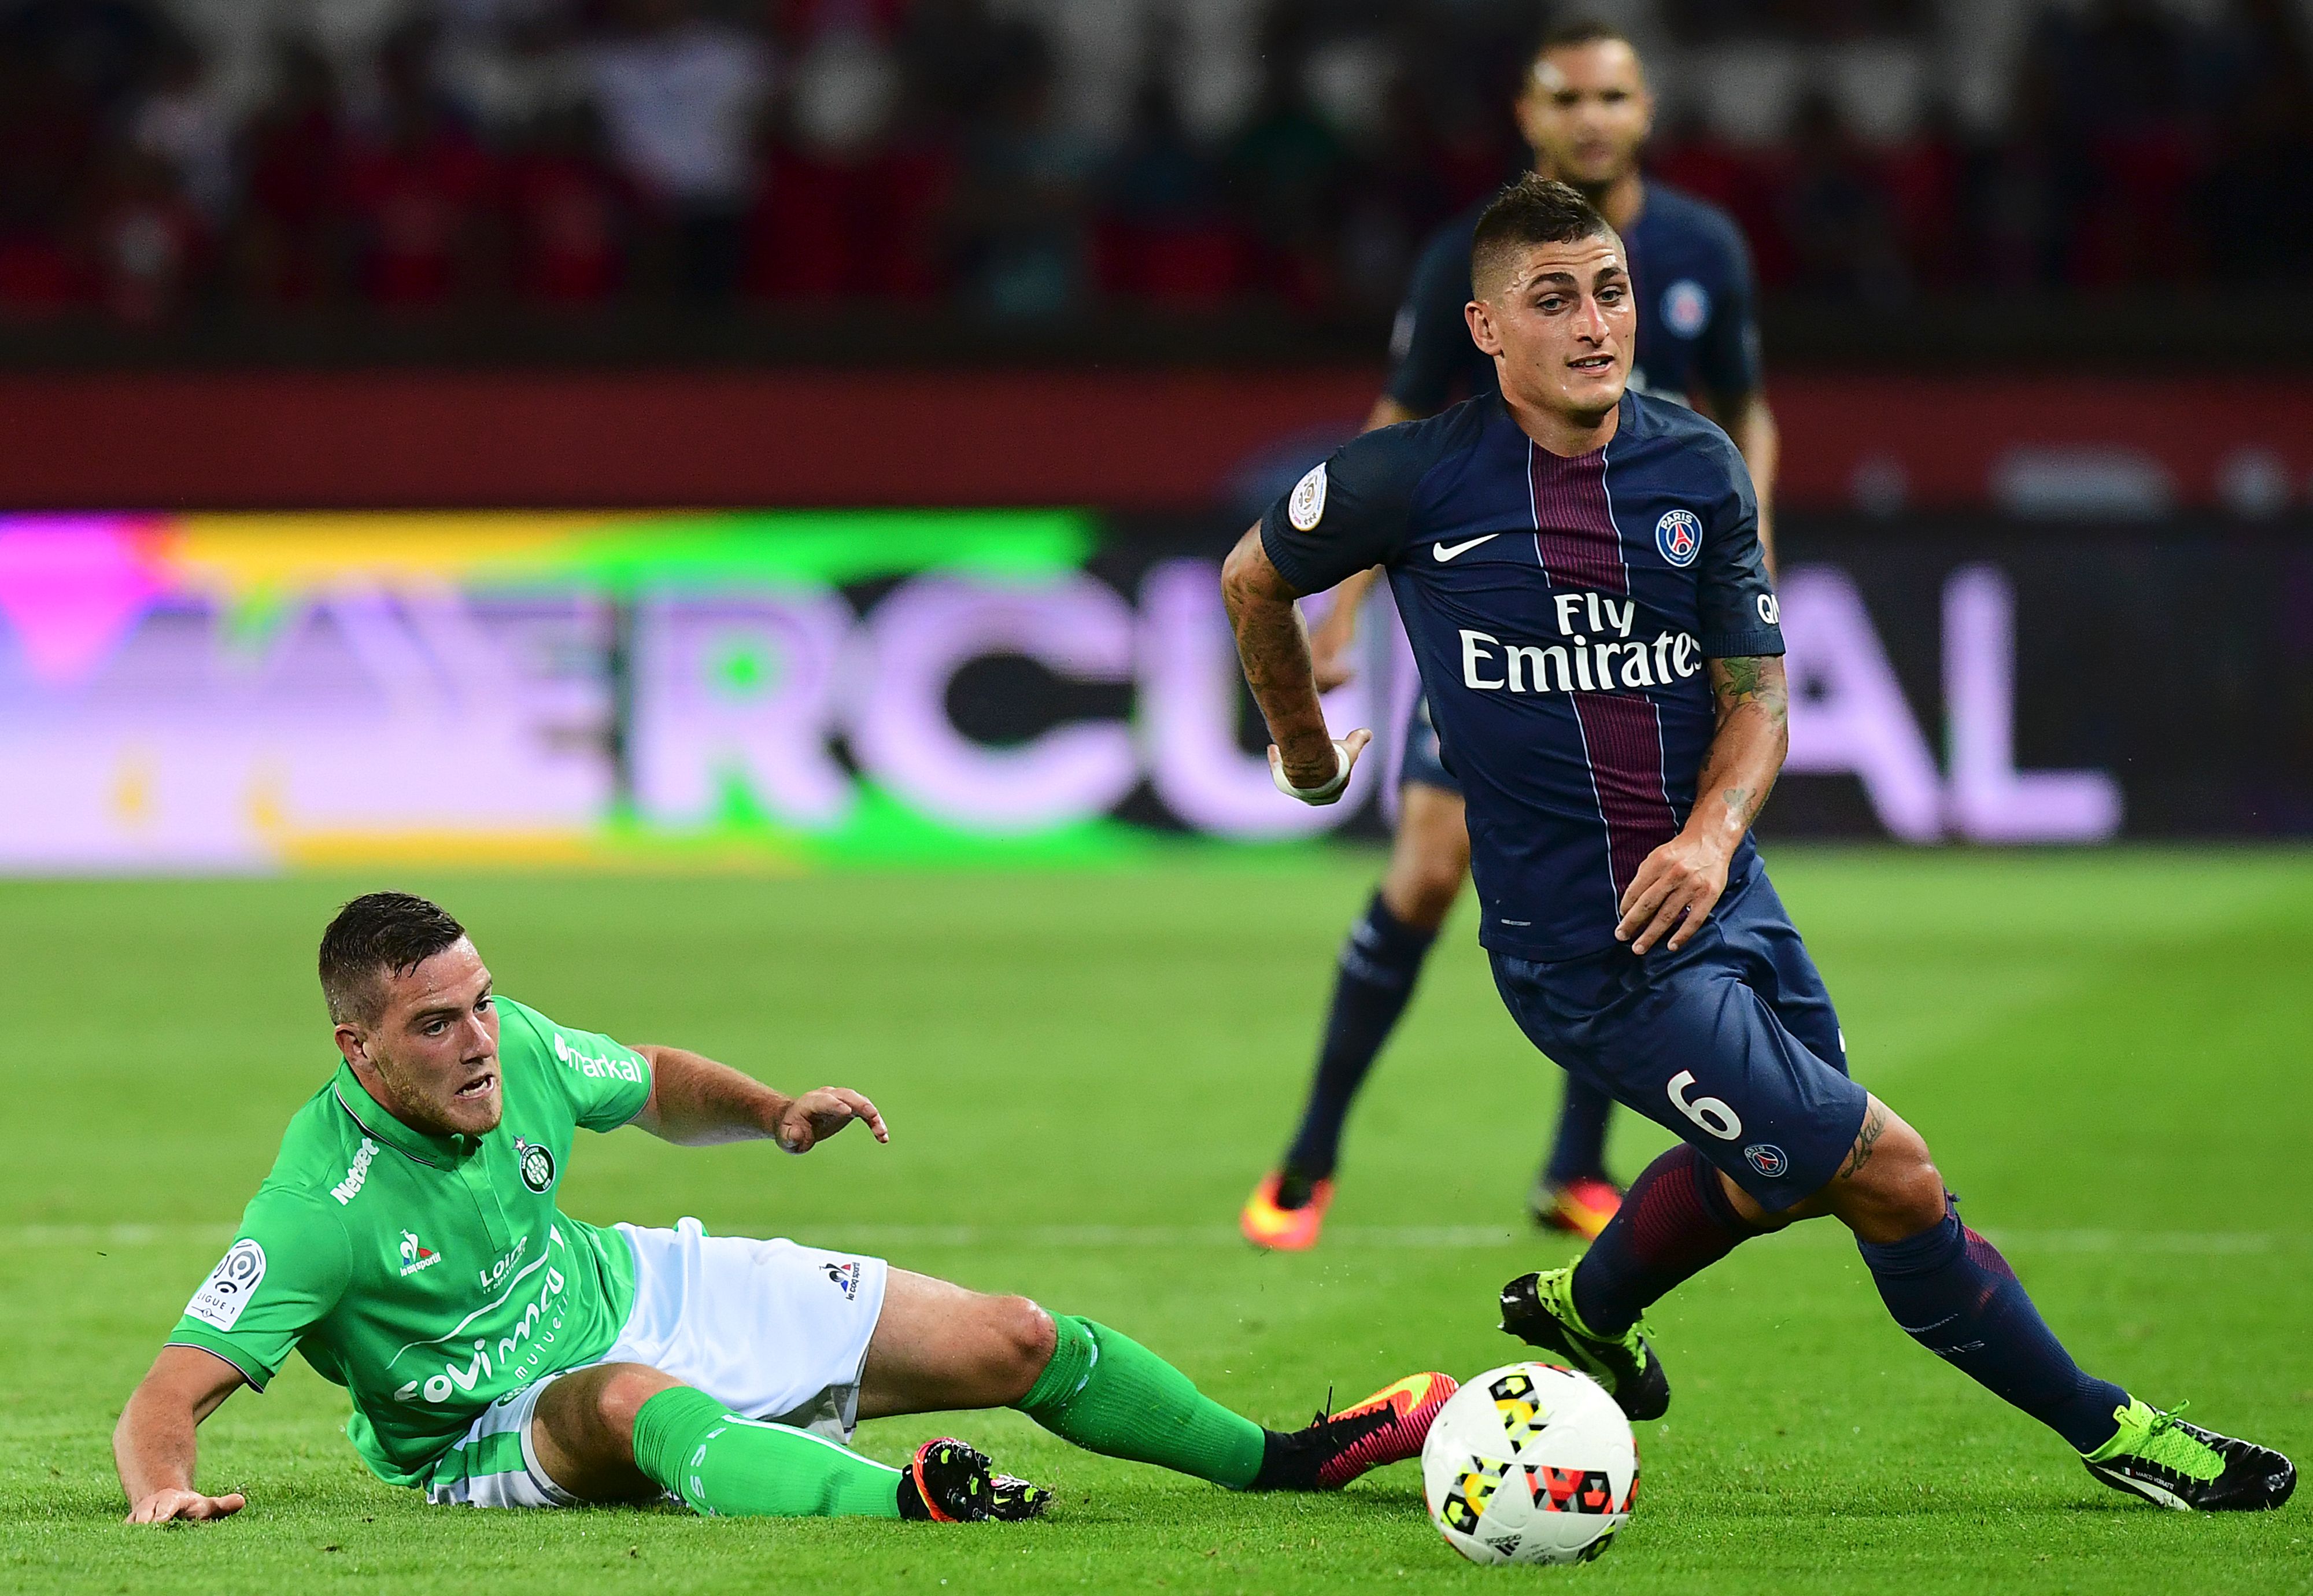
[(1325, 791), (814, 1117), (166, 1506), (1674, 890)]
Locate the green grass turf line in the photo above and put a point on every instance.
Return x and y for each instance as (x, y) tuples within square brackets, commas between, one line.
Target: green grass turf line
[(1085, 1073)]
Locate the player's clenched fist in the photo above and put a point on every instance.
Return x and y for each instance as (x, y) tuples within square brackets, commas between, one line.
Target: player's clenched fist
[(1676, 886), (814, 1117), (162, 1507)]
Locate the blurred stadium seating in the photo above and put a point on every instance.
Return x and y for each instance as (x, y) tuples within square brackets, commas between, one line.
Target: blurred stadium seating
[(1038, 163)]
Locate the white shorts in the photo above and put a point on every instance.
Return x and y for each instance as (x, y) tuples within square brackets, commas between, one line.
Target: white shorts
[(770, 1329)]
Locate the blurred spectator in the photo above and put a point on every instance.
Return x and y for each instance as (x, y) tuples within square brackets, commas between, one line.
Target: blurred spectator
[(679, 96), (571, 215), (508, 63), (853, 199), (179, 124), (1835, 217), (1023, 193), (1285, 174), (100, 51), (954, 54), (153, 244), (1165, 233), (293, 158), (47, 145), (419, 189), (2257, 205)]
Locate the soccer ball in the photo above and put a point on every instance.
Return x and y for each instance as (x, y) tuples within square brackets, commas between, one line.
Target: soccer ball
[(1531, 1463)]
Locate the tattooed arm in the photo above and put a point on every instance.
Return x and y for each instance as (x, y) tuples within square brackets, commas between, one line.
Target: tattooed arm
[(1746, 753), (1680, 882), (1275, 651)]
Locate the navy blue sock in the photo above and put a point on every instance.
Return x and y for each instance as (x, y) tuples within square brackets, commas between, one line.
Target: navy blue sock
[(1952, 1293), (1675, 1222), (1379, 965), (1580, 1148)]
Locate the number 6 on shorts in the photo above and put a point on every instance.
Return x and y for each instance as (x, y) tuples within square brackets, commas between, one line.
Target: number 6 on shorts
[(1711, 1114)]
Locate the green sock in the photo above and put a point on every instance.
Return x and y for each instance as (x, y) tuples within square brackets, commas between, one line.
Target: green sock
[(1109, 1393), (726, 1466)]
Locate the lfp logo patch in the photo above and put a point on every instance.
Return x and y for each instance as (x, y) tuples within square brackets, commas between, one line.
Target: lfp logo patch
[(1679, 535)]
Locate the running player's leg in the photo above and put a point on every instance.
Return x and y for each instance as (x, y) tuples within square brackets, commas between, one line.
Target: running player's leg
[(1430, 859), (938, 1347), (1774, 1131)]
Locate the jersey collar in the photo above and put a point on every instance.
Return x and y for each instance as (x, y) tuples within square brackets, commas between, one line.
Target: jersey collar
[(379, 1123)]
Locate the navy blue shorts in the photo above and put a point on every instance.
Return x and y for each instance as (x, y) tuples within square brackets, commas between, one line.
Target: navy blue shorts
[(1730, 1043), (1423, 763)]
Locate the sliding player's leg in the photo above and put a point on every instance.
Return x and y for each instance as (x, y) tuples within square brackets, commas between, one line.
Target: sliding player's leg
[(624, 1432), (1430, 859), (939, 1347)]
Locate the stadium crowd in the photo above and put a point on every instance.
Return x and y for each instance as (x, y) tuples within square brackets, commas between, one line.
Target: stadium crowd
[(587, 153)]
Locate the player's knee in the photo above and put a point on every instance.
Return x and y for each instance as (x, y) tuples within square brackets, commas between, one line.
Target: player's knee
[(620, 1393), (1423, 882), (1903, 1190), (1020, 1342)]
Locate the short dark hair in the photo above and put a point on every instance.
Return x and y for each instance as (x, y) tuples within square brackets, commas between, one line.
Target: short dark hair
[(1535, 209), (379, 933), (1572, 32)]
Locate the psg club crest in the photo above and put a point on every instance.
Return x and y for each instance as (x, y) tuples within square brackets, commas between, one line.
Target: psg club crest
[(1767, 1158), (1679, 535), (1686, 308)]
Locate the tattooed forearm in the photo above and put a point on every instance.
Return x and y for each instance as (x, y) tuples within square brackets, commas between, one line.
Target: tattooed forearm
[(1746, 751), (1750, 680), (1274, 649), (1875, 1125)]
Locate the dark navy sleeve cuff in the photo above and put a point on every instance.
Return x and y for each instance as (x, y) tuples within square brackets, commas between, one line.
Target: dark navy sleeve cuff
[(1742, 645), (1287, 563)]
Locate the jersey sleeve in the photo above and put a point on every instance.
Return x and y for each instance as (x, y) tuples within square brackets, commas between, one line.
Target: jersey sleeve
[(1739, 614), (288, 1264), (607, 1082), (1351, 512), (1430, 342), (1727, 357)]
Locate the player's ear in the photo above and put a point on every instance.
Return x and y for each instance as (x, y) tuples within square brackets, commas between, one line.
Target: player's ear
[(1479, 315), (349, 1045)]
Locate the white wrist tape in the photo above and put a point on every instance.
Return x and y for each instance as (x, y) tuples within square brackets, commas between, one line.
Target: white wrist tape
[(1315, 795)]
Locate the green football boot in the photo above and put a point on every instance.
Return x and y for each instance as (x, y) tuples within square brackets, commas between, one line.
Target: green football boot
[(2168, 1461), (1539, 1310)]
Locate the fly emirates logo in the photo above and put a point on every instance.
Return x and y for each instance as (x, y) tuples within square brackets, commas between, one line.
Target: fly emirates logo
[(1599, 655)]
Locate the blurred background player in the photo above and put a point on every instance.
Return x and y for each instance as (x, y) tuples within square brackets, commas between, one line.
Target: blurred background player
[(1586, 110)]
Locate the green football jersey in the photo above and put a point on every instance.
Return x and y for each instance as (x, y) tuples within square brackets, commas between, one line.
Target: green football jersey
[(430, 1275)]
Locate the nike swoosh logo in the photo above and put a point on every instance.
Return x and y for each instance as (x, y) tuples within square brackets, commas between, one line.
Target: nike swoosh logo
[(1445, 551)]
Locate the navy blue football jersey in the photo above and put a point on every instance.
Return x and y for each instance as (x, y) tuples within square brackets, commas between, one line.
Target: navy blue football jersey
[(1691, 274), (1560, 611)]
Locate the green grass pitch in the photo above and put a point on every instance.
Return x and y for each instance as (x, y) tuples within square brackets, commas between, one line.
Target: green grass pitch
[(1084, 1073)]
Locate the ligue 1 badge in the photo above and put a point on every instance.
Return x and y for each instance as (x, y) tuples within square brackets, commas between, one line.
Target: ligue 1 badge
[(1308, 504), (1679, 535), (536, 1164)]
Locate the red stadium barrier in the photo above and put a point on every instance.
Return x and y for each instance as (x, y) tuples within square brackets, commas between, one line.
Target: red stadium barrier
[(1122, 440)]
